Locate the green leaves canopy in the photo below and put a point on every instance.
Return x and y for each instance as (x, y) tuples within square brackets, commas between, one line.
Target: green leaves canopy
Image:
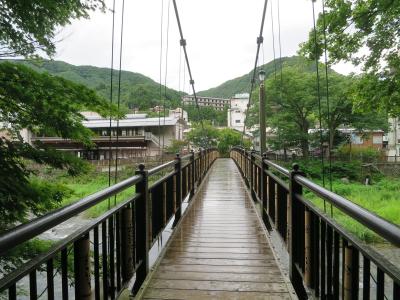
[(366, 33), (28, 26)]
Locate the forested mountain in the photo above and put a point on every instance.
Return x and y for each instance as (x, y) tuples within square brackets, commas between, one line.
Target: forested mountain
[(242, 84), (137, 90)]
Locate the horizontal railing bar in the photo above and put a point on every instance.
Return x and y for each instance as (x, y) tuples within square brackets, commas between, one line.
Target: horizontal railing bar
[(187, 156), (27, 231), (161, 180), (386, 266), (278, 180), (277, 167), (386, 229), (161, 167), (31, 265)]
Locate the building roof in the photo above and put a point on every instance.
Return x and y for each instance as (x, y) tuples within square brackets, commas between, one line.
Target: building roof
[(130, 122)]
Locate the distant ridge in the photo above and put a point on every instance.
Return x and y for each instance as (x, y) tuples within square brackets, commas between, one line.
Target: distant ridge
[(137, 90), (242, 84)]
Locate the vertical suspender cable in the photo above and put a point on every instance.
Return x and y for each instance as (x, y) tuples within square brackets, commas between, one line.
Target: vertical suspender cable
[(327, 101), (273, 39), (260, 40), (319, 99), (280, 45), (161, 61), (119, 95), (183, 44), (165, 80), (111, 98)]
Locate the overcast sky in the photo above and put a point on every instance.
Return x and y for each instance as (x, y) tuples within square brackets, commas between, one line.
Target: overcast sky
[(221, 38)]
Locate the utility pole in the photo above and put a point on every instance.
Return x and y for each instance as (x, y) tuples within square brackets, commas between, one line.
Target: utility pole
[(263, 141)]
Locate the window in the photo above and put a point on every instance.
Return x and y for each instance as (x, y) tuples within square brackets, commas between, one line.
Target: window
[(237, 121)]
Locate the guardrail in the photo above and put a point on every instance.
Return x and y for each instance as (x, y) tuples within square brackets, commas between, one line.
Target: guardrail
[(115, 246), (325, 260)]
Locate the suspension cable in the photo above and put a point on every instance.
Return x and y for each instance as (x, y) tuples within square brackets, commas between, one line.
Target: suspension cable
[(165, 80), (111, 97), (161, 62), (319, 99), (327, 101), (119, 95), (260, 40), (183, 44), (273, 39)]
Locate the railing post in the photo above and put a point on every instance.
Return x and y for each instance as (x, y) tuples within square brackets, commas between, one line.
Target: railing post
[(178, 188), (264, 187), (252, 177), (200, 164), (142, 228), (296, 229), (192, 169), (127, 244), (82, 272)]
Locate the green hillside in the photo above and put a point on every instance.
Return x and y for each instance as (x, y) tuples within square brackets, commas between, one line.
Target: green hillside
[(242, 84), (137, 90)]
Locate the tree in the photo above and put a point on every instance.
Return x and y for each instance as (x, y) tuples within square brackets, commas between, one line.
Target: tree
[(365, 33), (29, 26), (216, 117), (203, 137), (293, 102), (228, 138), (44, 104)]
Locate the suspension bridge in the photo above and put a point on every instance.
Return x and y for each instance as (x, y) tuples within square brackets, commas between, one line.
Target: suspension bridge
[(204, 227)]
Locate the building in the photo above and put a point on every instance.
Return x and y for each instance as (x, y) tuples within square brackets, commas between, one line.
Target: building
[(365, 139), (179, 113), (237, 111), (216, 103), (138, 136), (393, 138)]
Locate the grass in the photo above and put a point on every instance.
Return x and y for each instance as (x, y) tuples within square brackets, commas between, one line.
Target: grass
[(381, 198)]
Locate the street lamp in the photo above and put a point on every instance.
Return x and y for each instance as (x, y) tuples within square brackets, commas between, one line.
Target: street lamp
[(261, 76)]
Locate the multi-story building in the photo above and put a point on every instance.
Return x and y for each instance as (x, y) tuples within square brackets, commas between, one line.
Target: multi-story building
[(237, 111), (217, 103), (137, 136)]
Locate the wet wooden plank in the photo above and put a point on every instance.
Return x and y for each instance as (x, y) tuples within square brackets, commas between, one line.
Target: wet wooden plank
[(156, 293), (220, 249)]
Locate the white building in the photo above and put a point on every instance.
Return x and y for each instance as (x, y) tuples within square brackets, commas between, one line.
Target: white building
[(394, 138), (237, 112)]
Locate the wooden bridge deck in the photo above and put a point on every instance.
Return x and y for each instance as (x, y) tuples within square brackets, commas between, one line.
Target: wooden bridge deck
[(220, 249)]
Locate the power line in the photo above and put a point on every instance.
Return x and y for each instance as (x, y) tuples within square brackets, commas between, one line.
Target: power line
[(319, 99), (111, 97), (327, 101), (260, 40), (183, 44), (119, 95)]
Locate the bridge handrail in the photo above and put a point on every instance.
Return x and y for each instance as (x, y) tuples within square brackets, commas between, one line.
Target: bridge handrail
[(128, 230), (27, 231), (313, 239)]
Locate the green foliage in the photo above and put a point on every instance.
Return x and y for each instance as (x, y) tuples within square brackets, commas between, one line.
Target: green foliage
[(176, 146), (216, 117), (28, 26), (224, 138), (43, 104), (228, 138), (361, 26), (362, 154), (205, 136), (137, 90)]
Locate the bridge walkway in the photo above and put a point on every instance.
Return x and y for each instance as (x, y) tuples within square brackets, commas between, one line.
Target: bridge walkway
[(220, 249)]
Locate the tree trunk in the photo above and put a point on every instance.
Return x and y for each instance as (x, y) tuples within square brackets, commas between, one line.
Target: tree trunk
[(304, 147)]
